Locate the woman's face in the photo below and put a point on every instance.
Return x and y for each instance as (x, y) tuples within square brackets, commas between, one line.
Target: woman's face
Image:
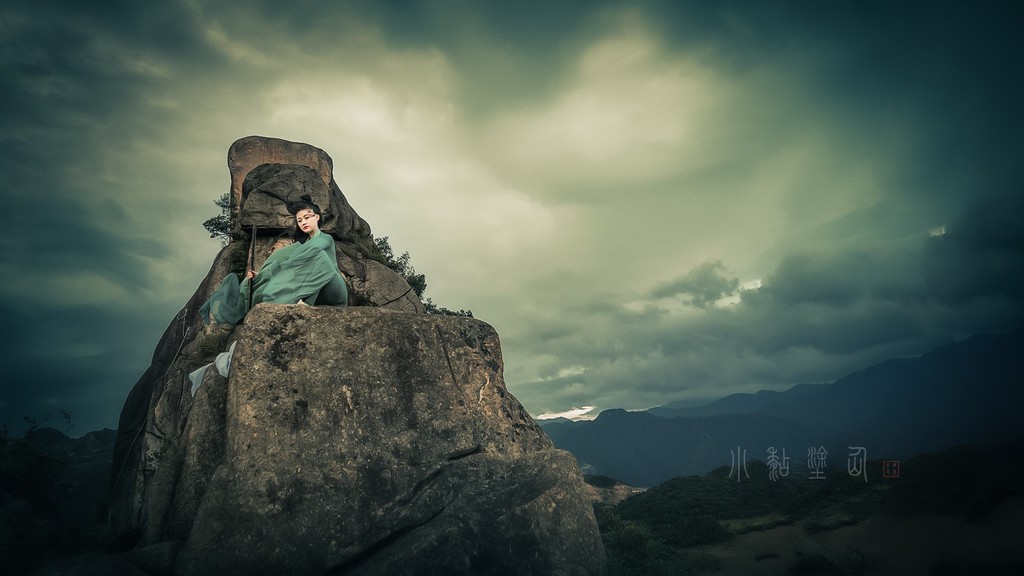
[(307, 221)]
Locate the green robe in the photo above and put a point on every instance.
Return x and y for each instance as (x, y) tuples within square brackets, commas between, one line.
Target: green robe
[(307, 271)]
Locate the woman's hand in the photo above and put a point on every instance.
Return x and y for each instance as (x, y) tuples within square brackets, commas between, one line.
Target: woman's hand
[(249, 274)]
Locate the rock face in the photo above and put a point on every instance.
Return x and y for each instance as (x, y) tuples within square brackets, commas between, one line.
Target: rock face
[(268, 187), (246, 154), (362, 441), (353, 440), (155, 410)]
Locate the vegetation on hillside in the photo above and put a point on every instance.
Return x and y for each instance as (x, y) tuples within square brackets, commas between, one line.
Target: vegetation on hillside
[(663, 530), (966, 481), (651, 532)]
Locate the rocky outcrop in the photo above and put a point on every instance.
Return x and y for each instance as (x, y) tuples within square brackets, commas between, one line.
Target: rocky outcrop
[(364, 441), (246, 154), (152, 413), (266, 174), (269, 187), (352, 440)]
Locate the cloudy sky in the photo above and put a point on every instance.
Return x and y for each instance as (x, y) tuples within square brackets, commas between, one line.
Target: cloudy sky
[(650, 201)]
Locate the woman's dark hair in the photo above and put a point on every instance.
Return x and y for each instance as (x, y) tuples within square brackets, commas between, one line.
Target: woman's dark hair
[(303, 203)]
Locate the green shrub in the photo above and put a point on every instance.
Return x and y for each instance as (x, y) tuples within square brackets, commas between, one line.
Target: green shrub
[(209, 345), (379, 249), (429, 306), (219, 226)]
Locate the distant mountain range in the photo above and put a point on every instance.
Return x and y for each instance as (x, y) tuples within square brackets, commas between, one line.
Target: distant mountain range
[(734, 403), (53, 496), (968, 392)]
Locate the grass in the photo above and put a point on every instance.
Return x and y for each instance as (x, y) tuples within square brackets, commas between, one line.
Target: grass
[(669, 524), (694, 510)]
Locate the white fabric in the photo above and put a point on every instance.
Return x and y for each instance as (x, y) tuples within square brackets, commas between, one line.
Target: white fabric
[(222, 362)]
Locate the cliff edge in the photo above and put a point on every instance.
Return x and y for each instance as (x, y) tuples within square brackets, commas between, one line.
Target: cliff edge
[(345, 440)]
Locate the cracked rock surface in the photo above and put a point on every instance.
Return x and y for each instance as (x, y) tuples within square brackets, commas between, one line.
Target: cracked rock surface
[(368, 441)]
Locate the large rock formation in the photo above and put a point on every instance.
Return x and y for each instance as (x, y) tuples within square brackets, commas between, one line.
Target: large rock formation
[(248, 153), (356, 440), (266, 173), (151, 415)]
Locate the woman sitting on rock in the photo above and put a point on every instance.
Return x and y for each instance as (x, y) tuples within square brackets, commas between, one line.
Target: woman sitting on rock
[(304, 271)]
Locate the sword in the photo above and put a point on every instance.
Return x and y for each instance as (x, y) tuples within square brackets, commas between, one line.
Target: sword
[(252, 263)]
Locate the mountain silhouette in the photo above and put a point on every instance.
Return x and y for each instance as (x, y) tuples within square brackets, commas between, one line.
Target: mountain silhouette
[(967, 392)]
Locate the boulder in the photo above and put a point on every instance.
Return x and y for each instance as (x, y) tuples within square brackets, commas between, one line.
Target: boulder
[(267, 189), (375, 284), (158, 405), (370, 439), (266, 173), (365, 441), (251, 152), (154, 409)]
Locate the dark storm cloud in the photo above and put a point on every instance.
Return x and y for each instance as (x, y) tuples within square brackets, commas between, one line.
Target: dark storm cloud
[(73, 358), (980, 255), (82, 304), (74, 63), (810, 146), (966, 278), (820, 313), (963, 278), (700, 287), (508, 54), (940, 72), (835, 279)]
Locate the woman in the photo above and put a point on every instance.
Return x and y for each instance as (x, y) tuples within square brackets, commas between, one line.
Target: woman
[(304, 271)]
